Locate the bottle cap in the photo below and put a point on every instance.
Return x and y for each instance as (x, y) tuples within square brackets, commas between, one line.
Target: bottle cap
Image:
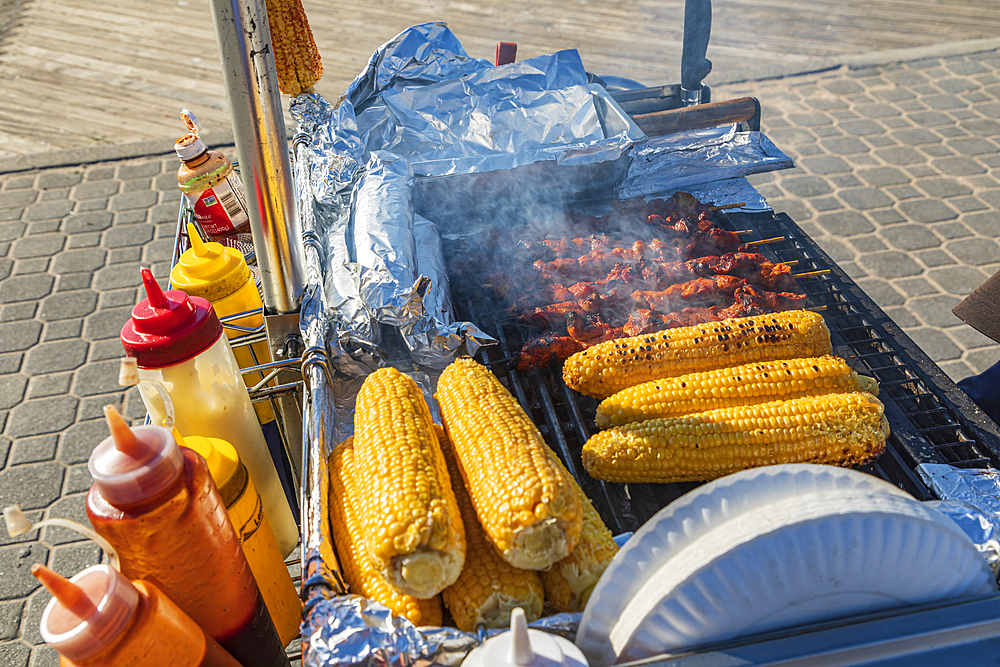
[(209, 270), (169, 327), (525, 648), (88, 612), (190, 145), (134, 465), (223, 464)]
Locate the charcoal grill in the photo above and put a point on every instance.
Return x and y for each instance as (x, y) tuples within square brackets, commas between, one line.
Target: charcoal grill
[(932, 421)]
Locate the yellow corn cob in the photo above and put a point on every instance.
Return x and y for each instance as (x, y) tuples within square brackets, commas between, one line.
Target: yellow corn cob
[(296, 57), (609, 367), (836, 429), (402, 488), (749, 384), (569, 583), (489, 587), (528, 507), (360, 572)]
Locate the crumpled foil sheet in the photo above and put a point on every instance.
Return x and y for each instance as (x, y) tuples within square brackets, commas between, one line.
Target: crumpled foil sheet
[(729, 191), (971, 498), (686, 159)]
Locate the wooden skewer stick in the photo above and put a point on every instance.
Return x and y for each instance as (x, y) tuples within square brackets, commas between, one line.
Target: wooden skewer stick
[(816, 309), (821, 272), (728, 206), (741, 232), (791, 262), (764, 241)]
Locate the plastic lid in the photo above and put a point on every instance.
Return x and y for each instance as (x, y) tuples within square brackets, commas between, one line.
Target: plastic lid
[(525, 648), (134, 465), (222, 459), (209, 270), (169, 327), (88, 612), (189, 145)]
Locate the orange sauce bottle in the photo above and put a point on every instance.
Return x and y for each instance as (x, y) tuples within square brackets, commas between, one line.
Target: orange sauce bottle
[(99, 618), (157, 505)]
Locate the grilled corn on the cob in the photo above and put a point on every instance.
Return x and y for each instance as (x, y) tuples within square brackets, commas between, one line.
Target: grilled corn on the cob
[(527, 505), (296, 57), (749, 384), (837, 429), (362, 576), (489, 587), (569, 583), (402, 488), (614, 365)]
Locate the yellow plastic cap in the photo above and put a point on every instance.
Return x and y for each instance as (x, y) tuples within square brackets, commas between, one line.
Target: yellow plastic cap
[(222, 459), (209, 270)]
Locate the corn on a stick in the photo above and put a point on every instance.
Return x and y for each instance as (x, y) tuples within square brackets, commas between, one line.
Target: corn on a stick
[(296, 57), (749, 384), (359, 570), (402, 488), (526, 504), (836, 429), (609, 367), (489, 587)]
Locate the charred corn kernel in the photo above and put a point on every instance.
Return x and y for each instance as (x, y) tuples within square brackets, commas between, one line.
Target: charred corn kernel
[(726, 387), (614, 365), (296, 57), (402, 488), (528, 506), (835, 429), (569, 583), (359, 570), (489, 587)]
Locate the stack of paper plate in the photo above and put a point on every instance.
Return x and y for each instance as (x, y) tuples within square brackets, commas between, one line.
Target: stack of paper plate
[(770, 548)]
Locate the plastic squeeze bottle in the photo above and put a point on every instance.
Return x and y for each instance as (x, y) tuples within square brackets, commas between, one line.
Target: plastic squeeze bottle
[(100, 618), (209, 183), (177, 340), (254, 532), (157, 505)]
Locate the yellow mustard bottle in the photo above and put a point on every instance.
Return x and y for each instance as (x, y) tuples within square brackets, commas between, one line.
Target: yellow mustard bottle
[(259, 545), (221, 275)]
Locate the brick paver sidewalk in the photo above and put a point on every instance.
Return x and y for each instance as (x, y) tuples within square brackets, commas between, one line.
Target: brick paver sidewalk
[(898, 178)]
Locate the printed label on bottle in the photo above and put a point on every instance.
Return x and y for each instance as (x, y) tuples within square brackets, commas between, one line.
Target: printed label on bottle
[(221, 209)]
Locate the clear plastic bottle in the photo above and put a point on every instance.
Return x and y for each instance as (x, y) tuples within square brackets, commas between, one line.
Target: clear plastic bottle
[(210, 184), (99, 618), (178, 341), (157, 505)]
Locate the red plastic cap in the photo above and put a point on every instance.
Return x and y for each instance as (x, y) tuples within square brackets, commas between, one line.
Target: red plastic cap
[(169, 327)]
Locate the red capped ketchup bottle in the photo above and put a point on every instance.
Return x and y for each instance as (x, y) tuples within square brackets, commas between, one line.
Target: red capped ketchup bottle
[(178, 341), (157, 505), (101, 618)]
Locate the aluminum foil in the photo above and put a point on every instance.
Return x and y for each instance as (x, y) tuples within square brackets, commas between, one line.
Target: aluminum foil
[(685, 159)]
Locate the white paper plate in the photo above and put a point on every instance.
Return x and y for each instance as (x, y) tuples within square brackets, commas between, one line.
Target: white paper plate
[(676, 525), (827, 555)]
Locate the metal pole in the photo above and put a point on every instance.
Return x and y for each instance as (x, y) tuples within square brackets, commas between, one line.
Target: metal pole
[(244, 38)]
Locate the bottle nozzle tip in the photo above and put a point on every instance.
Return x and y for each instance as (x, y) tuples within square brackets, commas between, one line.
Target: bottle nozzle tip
[(122, 435), (197, 244), (521, 652), (157, 299), (69, 594)]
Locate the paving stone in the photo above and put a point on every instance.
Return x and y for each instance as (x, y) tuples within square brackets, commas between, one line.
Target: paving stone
[(59, 179), (26, 288), (845, 223), (900, 155), (132, 407), (837, 250), (18, 311), (44, 655), (48, 210), (133, 200), (991, 197), (55, 357), (133, 235), (15, 569), (956, 85), (68, 507), (896, 94), (861, 127), (66, 283), (5, 267), (958, 280), (952, 230), (987, 224), (930, 118), (943, 187), (95, 190), (877, 110), (882, 176), (906, 77), (140, 170), (879, 140), (162, 250), (130, 217), (123, 255), (971, 146), (90, 205), (934, 257), (110, 348), (118, 276), (975, 251), (10, 620), (68, 559), (45, 245), (950, 132), (782, 138), (915, 137), (935, 311), (864, 199), (106, 323), (806, 186), (99, 377), (12, 388), (902, 317), (969, 339), (911, 237), (916, 287), (73, 261), (895, 123), (881, 292), (944, 102), (768, 191), (78, 441), (32, 619), (51, 195), (982, 359), (65, 305), (845, 181), (844, 146), (870, 243), (828, 131), (981, 127), (889, 264), (33, 450), (10, 363), (49, 385), (93, 221), (17, 199), (967, 204), (966, 67), (92, 407), (163, 213), (927, 210), (11, 231), (135, 185), (78, 479), (19, 182), (810, 119), (27, 266), (84, 240), (822, 164), (921, 170)]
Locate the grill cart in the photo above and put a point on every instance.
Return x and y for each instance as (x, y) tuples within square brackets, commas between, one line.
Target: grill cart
[(310, 381)]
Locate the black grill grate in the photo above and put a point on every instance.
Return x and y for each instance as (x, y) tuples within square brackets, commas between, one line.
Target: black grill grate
[(931, 420)]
